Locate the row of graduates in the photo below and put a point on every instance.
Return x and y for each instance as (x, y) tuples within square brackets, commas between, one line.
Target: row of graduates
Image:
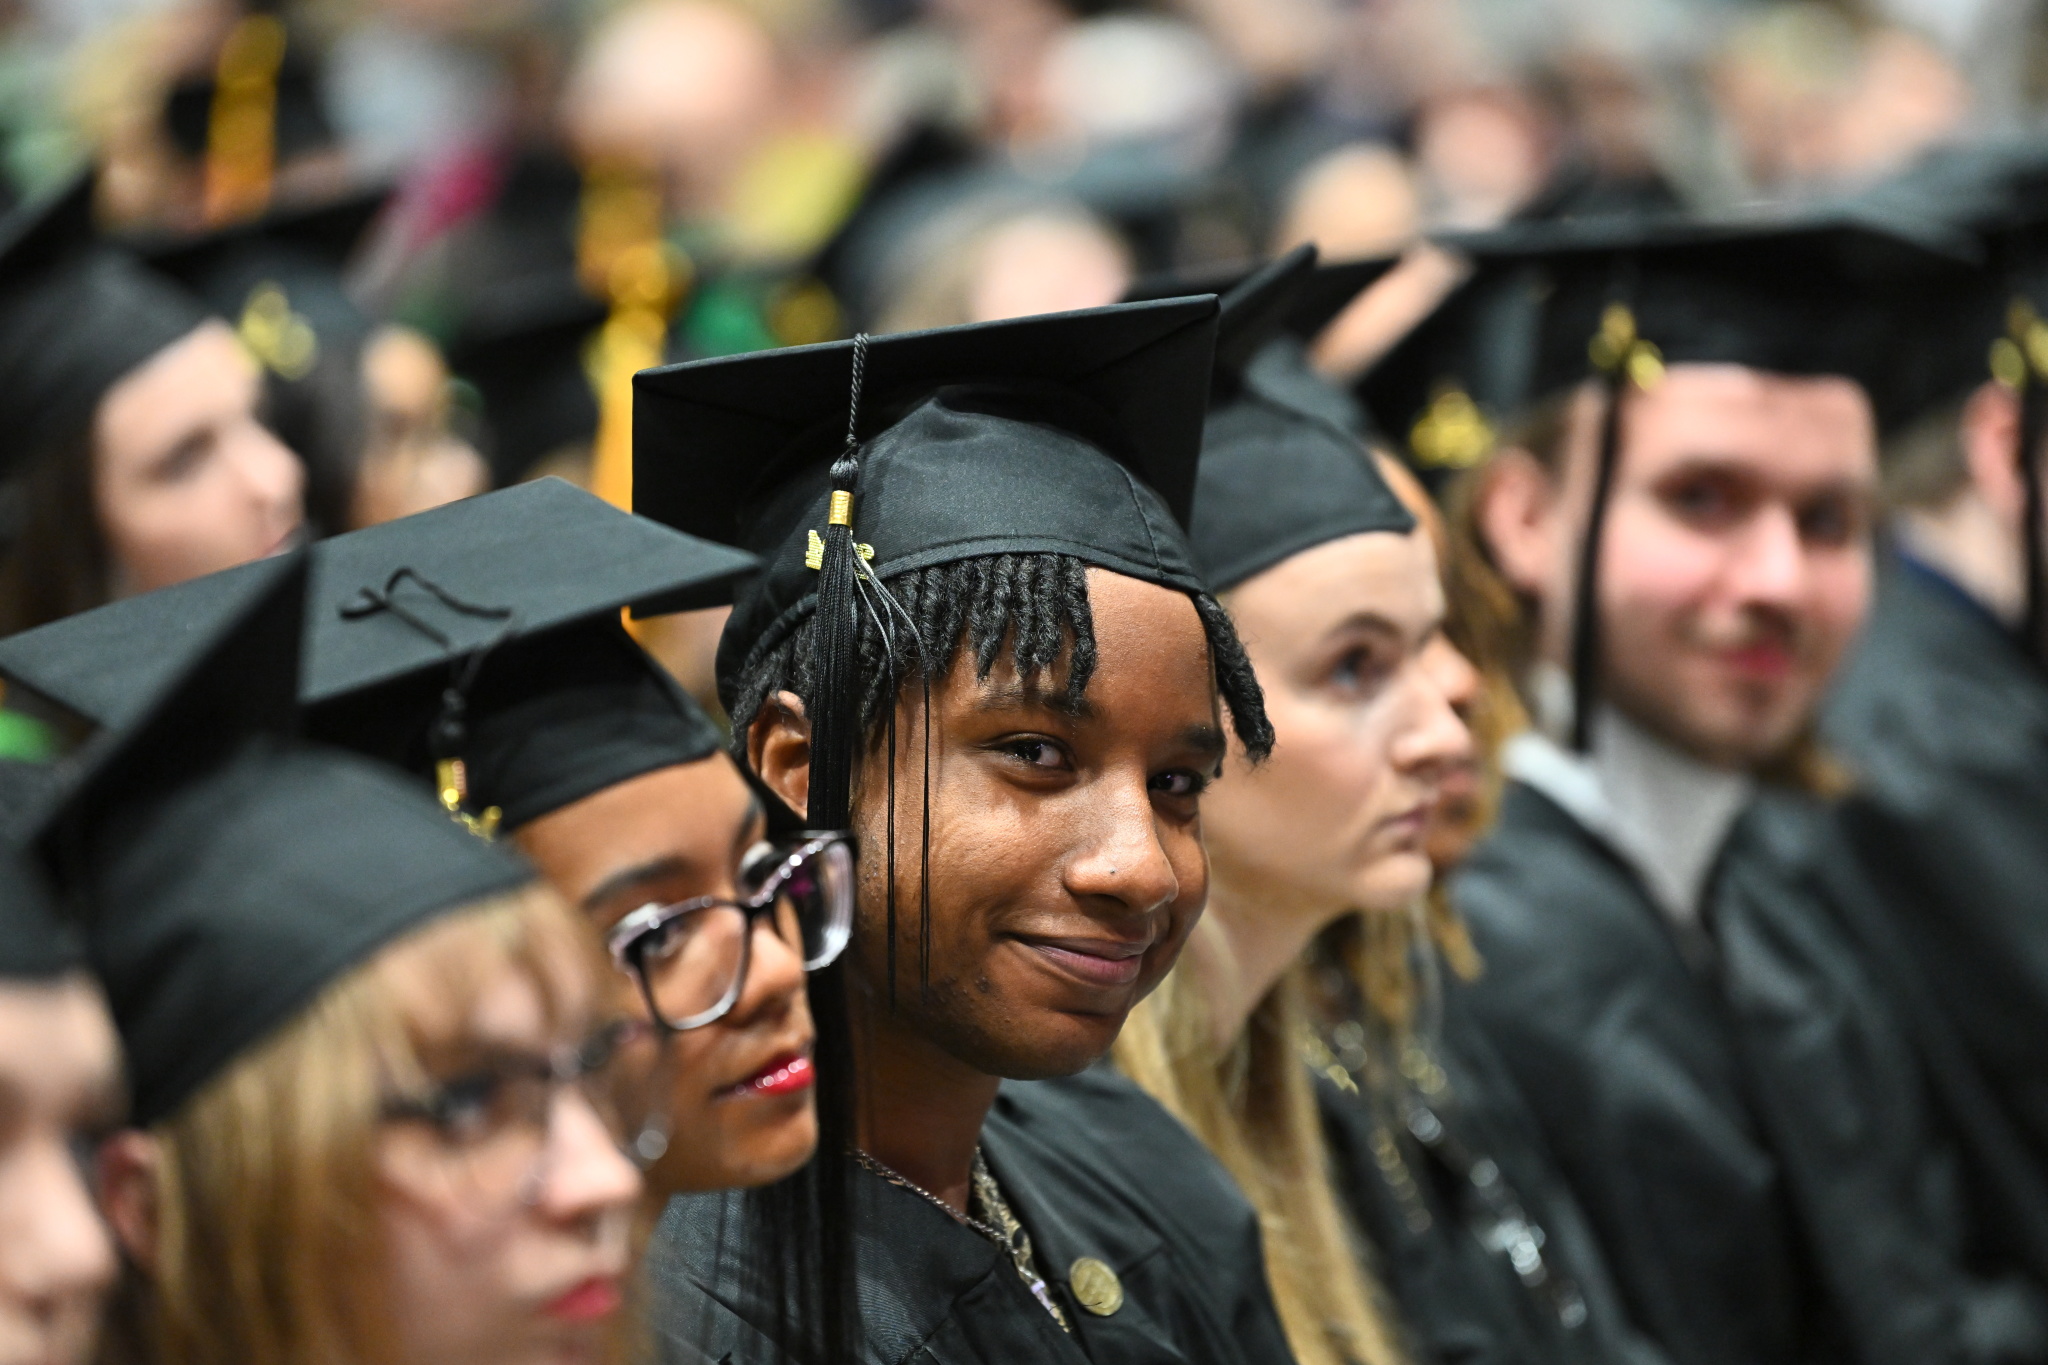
[(1705, 1098)]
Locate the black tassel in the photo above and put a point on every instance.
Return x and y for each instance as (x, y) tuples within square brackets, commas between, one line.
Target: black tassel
[(1585, 591), (834, 701)]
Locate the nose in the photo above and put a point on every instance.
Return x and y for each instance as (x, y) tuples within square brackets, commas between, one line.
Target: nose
[(1769, 566), (586, 1175), (775, 977), (53, 1245), (1125, 860), (1436, 736), (274, 477)]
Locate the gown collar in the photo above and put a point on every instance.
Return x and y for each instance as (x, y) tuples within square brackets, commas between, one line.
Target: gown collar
[(1666, 813)]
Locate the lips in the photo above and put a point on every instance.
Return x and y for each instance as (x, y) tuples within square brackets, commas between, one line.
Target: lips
[(1097, 961), (1763, 660), (789, 1074), (595, 1298)]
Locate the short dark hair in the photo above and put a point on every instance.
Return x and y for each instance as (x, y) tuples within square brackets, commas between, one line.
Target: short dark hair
[(1035, 605)]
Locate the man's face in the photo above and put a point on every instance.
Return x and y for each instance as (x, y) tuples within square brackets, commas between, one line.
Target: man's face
[(1735, 567), (1066, 864)]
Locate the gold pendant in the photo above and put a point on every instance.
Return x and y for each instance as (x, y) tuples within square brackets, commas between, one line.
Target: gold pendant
[(1096, 1287)]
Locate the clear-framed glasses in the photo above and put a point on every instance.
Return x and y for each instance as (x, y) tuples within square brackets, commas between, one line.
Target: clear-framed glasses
[(495, 1124), (690, 958)]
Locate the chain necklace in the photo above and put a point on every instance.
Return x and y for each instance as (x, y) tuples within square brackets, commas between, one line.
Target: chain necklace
[(1005, 1230)]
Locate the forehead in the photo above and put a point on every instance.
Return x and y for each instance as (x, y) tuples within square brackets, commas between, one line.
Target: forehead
[(55, 1040), (1379, 574), (1778, 428)]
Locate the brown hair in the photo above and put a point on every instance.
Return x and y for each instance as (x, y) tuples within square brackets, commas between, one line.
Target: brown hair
[(268, 1246), (56, 562), (1252, 1103)]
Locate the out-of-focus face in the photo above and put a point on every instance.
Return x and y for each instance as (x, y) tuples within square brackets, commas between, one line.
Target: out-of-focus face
[(414, 462), (185, 479), (59, 1089), (736, 1115), (1362, 689), (1066, 854), (1736, 564), (508, 1243)]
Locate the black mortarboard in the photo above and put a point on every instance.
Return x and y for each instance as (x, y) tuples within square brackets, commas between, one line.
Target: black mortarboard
[(1071, 433), (1996, 192), (75, 316), (508, 601), (1825, 292), (226, 875), (1277, 476), (521, 345), (35, 944)]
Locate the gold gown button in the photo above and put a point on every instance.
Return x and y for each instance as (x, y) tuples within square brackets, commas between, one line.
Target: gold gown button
[(1096, 1287)]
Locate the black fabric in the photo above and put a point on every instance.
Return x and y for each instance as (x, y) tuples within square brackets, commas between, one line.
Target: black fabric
[(1946, 724), (546, 551), (35, 943), (1328, 290), (1442, 1257), (1741, 1114), (1277, 476), (551, 719), (522, 345), (1819, 293), (75, 317), (224, 876), (979, 440), (1092, 1167)]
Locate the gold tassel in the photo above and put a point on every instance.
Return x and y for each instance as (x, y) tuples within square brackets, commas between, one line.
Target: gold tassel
[(241, 136)]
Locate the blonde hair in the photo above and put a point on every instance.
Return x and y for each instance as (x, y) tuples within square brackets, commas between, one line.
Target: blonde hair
[(1253, 1105), (268, 1246)]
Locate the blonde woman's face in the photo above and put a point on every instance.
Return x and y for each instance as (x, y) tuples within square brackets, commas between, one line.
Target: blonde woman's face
[(739, 1115), (1360, 685), (59, 1085), (505, 1250)]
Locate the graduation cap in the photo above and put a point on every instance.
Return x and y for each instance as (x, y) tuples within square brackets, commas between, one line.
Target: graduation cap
[(35, 942), (1070, 433), (226, 875), (1621, 299), (1313, 304), (75, 317), (1278, 475), (521, 345), (477, 644), (1997, 193)]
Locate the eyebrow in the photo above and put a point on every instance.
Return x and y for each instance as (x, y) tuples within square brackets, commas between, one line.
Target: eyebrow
[(1008, 696), (1206, 740)]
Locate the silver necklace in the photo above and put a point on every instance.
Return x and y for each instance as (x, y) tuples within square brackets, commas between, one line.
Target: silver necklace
[(1011, 1236)]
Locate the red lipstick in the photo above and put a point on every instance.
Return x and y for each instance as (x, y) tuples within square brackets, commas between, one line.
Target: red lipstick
[(786, 1075), (597, 1297)]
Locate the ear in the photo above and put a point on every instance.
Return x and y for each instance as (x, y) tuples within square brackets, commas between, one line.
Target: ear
[(779, 749), (1990, 439), (129, 1173), (1516, 508)]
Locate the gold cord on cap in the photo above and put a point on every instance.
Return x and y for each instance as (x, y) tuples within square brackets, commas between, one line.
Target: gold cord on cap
[(1451, 433), (451, 784), (1618, 348), (2021, 354)]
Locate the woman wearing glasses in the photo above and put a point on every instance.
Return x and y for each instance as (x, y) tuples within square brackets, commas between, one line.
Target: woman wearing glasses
[(377, 1113)]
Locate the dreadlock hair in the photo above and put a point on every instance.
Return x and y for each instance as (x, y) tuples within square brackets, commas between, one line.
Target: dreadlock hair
[(1035, 603)]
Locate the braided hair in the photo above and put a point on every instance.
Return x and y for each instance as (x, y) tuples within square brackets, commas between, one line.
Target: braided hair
[(1034, 604)]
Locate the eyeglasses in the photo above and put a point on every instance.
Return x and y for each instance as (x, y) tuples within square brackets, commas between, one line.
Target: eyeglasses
[(690, 958), (498, 1121)]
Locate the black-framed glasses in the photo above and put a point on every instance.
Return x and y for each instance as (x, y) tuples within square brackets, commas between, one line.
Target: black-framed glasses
[(691, 957), (497, 1120)]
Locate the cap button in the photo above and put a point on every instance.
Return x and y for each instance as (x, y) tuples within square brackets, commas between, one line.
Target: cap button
[(1096, 1287)]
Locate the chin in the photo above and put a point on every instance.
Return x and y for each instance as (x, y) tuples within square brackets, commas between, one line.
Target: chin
[(1395, 883), (1058, 1045)]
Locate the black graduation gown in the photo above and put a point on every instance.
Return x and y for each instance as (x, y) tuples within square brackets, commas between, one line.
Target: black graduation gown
[(1946, 723), (1092, 1167), (1741, 1114), (1443, 1257)]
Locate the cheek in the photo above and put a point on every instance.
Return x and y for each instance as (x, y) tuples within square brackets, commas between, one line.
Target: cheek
[(1841, 594), (1653, 569)]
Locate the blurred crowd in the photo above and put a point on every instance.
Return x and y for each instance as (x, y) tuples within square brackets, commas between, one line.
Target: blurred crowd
[(714, 176)]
